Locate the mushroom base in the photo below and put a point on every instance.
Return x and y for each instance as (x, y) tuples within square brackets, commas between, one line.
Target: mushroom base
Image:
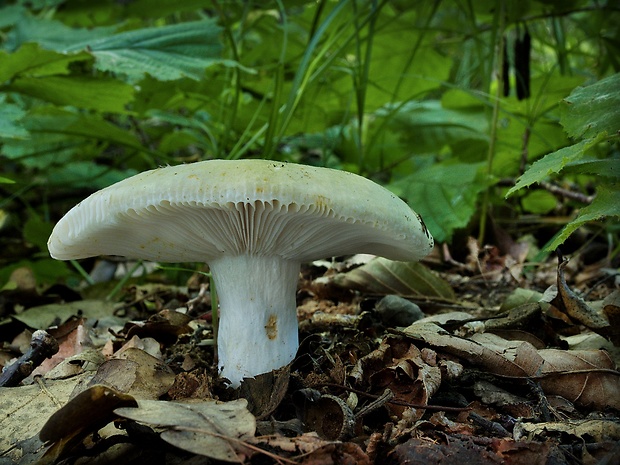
[(258, 319)]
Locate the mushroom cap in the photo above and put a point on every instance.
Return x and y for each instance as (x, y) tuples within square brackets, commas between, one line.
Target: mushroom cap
[(205, 210)]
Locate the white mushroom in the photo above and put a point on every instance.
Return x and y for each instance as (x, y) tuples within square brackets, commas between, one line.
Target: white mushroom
[(254, 222)]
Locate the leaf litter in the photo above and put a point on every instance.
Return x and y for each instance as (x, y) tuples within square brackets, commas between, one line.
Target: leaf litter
[(392, 366)]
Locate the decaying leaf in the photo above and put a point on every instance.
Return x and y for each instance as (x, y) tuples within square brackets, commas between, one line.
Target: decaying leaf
[(136, 373), (85, 414), (587, 378), (26, 409), (408, 279), (210, 428), (576, 308), (314, 450), (586, 430), (44, 316), (399, 366)]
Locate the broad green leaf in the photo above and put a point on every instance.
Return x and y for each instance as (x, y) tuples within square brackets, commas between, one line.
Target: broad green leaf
[(606, 204), (443, 194), (53, 35), (609, 168), (36, 231), (30, 60), (591, 110), (10, 116), (539, 202), (554, 163), (100, 93), (4, 180), (427, 127), (83, 174), (167, 52), (408, 279), (54, 121)]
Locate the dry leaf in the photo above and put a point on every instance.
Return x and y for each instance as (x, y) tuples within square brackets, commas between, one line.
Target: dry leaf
[(84, 414), (575, 307), (210, 428), (585, 377), (136, 373), (408, 279)]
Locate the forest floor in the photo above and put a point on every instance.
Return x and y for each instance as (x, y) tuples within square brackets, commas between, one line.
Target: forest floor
[(487, 358)]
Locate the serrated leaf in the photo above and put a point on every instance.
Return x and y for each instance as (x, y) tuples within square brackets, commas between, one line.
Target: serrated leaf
[(210, 428), (609, 167), (102, 94), (167, 53), (408, 279), (605, 204), (554, 163), (593, 109), (443, 194)]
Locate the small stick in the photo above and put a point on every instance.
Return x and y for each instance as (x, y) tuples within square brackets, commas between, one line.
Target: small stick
[(42, 346)]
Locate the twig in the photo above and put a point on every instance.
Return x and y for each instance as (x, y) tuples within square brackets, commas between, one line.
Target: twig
[(42, 346)]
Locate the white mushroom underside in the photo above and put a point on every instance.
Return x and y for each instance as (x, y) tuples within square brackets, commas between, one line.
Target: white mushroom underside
[(192, 231)]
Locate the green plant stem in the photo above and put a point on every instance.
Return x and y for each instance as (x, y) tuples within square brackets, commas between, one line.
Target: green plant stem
[(236, 78), (497, 37), (274, 115), (123, 281)]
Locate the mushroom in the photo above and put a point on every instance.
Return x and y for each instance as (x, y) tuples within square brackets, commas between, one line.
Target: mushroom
[(253, 222)]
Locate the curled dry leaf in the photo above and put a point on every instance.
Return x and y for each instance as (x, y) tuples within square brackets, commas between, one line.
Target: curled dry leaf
[(399, 366), (211, 428), (588, 431), (585, 377), (84, 414), (408, 279), (576, 308), (137, 373)]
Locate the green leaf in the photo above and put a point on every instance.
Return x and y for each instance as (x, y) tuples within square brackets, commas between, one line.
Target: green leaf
[(167, 53), (36, 231), (10, 116), (30, 60), (53, 35), (86, 175), (100, 93), (605, 204), (55, 121), (443, 194), (539, 202), (609, 167), (554, 163), (593, 109)]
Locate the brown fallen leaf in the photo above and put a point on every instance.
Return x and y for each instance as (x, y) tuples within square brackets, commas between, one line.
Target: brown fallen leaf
[(84, 414), (408, 279), (585, 377), (218, 430), (136, 373), (309, 449), (399, 366), (575, 307)]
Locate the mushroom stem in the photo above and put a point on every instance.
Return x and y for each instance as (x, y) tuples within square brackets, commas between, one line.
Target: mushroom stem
[(258, 320)]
